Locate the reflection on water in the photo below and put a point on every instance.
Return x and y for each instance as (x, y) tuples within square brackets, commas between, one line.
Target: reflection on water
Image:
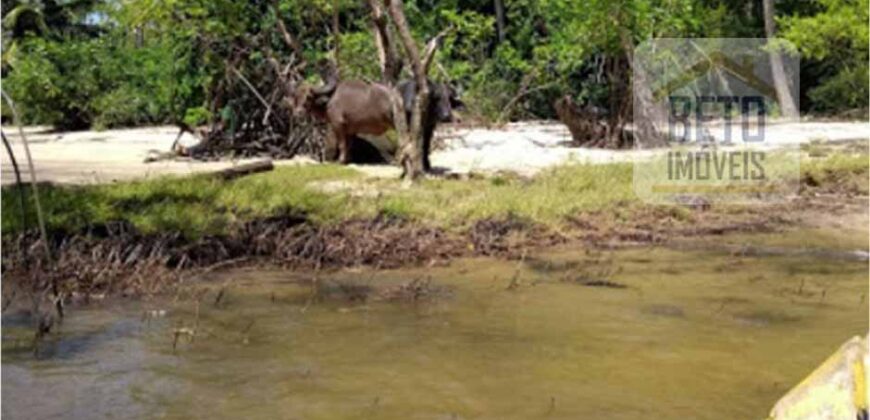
[(650, 333)]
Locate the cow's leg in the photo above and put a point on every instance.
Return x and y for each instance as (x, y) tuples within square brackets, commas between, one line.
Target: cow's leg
[(343, 141), (428, 131), (330, 147)]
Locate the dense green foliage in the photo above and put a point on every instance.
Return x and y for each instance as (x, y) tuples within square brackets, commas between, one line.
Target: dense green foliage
[(113, 63), (836, 46), (76, 83)]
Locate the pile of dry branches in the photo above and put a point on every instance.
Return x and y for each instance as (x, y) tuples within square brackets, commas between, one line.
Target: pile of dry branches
[(117, 259), (251, 104), (254, 115)]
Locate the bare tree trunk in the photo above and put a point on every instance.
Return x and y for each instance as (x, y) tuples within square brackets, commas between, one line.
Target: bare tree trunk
[(499, 20), (410, 153), (647, 115), (388, 57), (780, 82), (411, 141)]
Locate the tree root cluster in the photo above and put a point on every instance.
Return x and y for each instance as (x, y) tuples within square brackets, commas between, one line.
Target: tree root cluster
[(592, 127), (508, 236), (117, 259)]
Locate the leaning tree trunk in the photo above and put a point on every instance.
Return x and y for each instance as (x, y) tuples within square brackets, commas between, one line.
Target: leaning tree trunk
[(388, 57), (780, 82), (411, 142), (18, 185)]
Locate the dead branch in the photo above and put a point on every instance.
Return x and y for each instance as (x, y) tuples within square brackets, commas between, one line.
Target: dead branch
[(245, 169), (431, 47), (285, 34), (254, 91)]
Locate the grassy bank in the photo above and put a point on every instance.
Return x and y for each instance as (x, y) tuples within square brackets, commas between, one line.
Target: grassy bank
[(144, 237), (201, 205), (327, 194)]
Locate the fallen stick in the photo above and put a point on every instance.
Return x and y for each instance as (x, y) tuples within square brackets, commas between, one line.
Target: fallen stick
[(246, 169)]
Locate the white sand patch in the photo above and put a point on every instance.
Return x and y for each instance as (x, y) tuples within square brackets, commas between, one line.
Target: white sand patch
[(88, 157), (84, 157), (531, 146)]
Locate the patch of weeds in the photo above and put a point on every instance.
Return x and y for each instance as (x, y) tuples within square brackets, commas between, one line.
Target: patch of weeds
[(395, 208)]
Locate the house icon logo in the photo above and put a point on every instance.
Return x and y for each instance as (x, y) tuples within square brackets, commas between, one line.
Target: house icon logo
[(705, 108), (743, 71)]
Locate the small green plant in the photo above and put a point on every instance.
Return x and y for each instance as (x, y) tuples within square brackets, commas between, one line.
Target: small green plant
[(196, 116)]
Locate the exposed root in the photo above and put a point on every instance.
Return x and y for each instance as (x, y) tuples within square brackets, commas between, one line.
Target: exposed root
[(117, 259), (509, 236)]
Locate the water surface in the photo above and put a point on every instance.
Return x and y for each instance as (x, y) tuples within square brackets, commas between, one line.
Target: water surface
[(693, 331)]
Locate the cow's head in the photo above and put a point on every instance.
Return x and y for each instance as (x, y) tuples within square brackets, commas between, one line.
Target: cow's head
[(447, 99), (312, 100)]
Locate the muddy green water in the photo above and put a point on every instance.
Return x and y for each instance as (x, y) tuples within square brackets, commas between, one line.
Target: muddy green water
[(696, 331)]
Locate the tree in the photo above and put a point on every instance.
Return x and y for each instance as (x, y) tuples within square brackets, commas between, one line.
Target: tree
[(499, 20), (410, 154), (835, 49), (780, 81), (390, 62)]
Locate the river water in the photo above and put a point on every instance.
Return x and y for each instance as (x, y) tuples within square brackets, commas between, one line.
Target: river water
[(704, 329)]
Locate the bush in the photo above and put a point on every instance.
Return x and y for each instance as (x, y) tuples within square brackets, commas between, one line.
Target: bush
[(74, 84), (847, 90), (52, 83)]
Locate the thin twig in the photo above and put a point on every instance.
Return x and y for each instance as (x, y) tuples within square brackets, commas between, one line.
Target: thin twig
[(39, 216), (18, 184), (253, 89)]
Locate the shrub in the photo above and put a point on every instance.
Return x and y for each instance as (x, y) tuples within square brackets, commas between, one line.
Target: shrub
[(73, 84), (846, 90), (52, 82)]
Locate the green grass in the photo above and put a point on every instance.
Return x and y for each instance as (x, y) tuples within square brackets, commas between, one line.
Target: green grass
[(194, 205), (848, 172), (547, 198), (201, 205)]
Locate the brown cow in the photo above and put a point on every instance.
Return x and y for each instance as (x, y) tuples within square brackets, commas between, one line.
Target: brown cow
[(350, 108), (354, 107)]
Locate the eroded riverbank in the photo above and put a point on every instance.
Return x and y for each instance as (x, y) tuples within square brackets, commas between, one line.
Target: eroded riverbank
[(115, 258), (141, 238)]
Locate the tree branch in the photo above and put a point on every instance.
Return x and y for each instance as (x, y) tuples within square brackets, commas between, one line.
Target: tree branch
[(285, 34), (396, 9), (432, 47)]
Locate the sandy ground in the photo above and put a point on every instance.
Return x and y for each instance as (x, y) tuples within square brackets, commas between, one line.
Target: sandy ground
[(529, 147), (84, 157), (95, 157)]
